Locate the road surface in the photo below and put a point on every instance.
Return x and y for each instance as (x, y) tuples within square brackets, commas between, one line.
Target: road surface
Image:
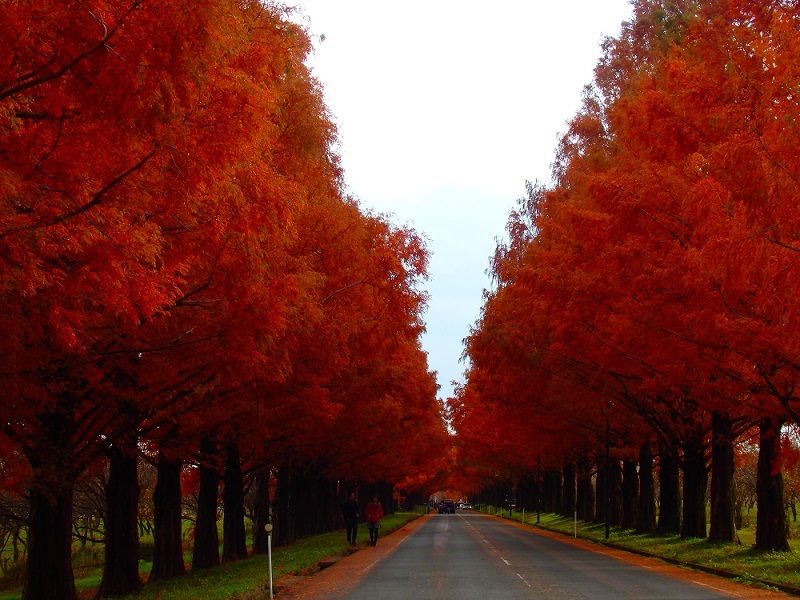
[(473, 556)]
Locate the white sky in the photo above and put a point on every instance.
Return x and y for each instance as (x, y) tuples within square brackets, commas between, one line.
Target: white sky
[(444, 110)]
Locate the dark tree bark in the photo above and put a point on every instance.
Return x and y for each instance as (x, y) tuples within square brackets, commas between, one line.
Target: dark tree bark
[(601, 496), (552, 492), (306, 511), (121, 570), (206, 536), (722, 469), (261, 512), (771, 524), (526, 495), (283, 532), (669, 516), (646, 511), (568, 494), (324, 509), (234, 539), (413, 500), (49, 574), (49, 566), (386, 496), (585, 491), (302, 496), (695, 484), (630, 494), (615, 479), (334, 498), (167, 546)]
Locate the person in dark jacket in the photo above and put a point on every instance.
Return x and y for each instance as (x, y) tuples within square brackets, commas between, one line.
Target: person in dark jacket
[(350, 514)]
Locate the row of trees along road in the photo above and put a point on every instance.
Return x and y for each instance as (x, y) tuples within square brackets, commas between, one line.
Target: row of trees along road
[(184, 282), (648, 295)]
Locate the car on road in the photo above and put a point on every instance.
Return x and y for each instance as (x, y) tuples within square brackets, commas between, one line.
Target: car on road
[(447, 507)]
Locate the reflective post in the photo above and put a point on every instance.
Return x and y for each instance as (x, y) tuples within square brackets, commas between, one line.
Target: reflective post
[(268, 529)]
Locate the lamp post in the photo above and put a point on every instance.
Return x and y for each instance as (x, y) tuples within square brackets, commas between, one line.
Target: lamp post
[(268, 529)]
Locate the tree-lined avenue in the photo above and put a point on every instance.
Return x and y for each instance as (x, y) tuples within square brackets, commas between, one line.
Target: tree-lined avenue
[(202, 332)]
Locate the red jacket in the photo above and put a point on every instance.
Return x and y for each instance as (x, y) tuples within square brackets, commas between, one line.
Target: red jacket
[(374, 512)]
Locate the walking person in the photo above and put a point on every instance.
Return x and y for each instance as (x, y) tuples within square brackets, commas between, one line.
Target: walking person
[(373, 513), (350, 514)]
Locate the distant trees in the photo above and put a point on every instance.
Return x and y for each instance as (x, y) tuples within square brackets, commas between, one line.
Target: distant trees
[(184, 281), (647, 298)]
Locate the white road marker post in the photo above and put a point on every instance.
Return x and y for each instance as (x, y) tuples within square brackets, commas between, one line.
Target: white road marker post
[(576, 524), (268, 529)]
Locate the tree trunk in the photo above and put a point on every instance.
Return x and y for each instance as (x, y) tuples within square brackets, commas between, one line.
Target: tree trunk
[(695, 484), (49, 573), (49, 569), (771, 524), (568, 503), (615, 480), (386, 496), (206, 535), (121, 570), (646, 511), (669, 515), (552, 492), (167, 546), (302, 513), (526, 492), (283, 532), (313, 500), (234, 540), (585, 491), (630, 494), (261, 512), (722, 470), (601, 496)]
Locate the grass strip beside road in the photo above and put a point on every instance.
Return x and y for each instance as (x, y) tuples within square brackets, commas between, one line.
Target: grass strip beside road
[(742, 562), (236, 579)]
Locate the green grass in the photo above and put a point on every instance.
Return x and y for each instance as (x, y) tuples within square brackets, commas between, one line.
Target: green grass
[(231, 579), (750, 565)]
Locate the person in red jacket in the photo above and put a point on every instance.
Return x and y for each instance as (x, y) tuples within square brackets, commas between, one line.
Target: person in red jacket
[(373, 514)]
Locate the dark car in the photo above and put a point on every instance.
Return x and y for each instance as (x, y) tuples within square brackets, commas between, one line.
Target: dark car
[(447, 507)]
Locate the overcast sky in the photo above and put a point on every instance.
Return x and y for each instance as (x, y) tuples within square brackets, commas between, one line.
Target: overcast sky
[(444, 110)]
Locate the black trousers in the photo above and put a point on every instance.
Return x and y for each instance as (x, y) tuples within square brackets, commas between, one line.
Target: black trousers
[(352, 530)]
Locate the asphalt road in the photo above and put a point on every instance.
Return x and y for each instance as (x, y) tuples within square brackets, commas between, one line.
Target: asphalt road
[(472, 556)]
